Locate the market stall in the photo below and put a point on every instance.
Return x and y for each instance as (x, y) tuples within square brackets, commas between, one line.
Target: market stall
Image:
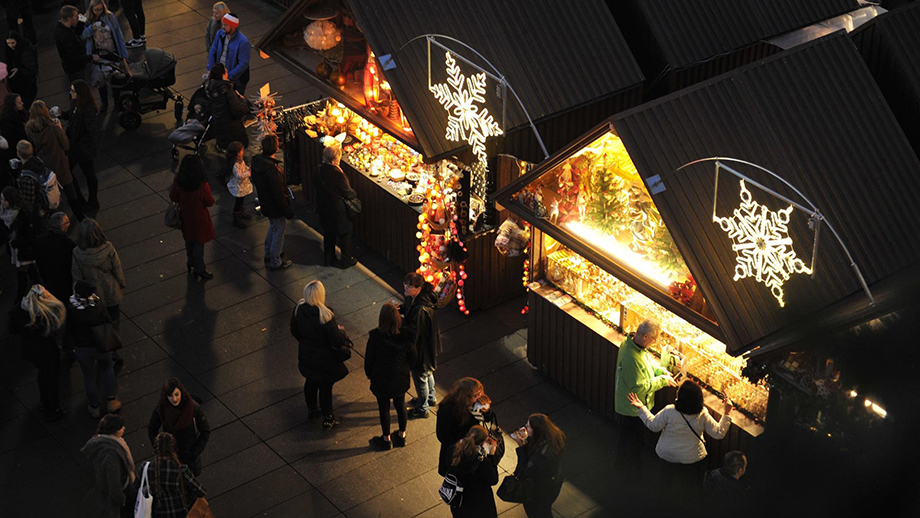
[(423, 97), (629, 224)]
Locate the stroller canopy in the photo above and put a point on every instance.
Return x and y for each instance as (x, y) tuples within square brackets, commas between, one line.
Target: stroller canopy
[(157, 63)]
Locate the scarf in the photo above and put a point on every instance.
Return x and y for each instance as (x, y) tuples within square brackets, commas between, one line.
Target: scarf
[(79, 302), (129, 459), (175, 418)]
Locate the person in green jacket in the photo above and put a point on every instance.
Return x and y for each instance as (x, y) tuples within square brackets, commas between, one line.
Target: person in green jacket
[(639, 373)]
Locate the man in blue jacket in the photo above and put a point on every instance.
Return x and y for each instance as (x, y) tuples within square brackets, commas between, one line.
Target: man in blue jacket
[(231, 48)]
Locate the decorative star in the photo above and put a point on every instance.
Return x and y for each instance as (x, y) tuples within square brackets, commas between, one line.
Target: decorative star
[(761, 239)]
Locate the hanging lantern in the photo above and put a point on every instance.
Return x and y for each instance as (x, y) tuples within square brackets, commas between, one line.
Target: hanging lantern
[(371, 82), (322, 35)]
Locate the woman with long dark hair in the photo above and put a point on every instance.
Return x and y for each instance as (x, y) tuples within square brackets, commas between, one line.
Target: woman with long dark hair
[(13, 117), (22, 66), (173, 486), (51, 145), (465, 406), (474, 464), (540, 447), (36, 319), (82, 129), (180, 415), (22, 223), (386, 364), (96, 261), (192, 192)]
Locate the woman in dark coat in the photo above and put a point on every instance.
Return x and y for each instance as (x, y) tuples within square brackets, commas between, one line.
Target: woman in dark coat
[(23, 228), (540, 447), (85, 311), (81, 131), (322, 345), (191, 191), (465, 406), (386, 364), (36, 319), (227, 107), (13, 119), (476, 469), (22, 66), (180, 415), (332, 188)]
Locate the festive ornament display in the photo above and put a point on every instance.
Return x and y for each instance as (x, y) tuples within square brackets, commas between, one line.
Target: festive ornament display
[(322, 35)]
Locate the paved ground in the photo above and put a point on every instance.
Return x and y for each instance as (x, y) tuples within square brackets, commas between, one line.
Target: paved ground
[(228, 340)]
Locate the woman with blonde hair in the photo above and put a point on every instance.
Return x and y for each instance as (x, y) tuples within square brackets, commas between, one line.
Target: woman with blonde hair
[(36, 319), (51, 145), (323, 349), (96, 261), (106, 43), (218, 10)]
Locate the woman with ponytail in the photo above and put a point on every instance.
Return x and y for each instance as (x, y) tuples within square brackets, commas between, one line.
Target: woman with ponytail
[(323, 348), (172, 486), (476, 469), (36, 319)]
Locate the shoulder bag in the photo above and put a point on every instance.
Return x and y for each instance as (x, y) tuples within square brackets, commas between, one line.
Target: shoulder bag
[(451, 491), (200, 509), (143, 506), (105, 338), (173, 218), (700, 436), (495, 432), (352, 207)]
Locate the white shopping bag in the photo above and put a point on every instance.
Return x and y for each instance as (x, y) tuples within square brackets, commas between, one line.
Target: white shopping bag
[(143, 508)]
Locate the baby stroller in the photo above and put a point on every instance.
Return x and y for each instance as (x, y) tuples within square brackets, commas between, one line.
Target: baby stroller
[(147, 89), (194, 132)]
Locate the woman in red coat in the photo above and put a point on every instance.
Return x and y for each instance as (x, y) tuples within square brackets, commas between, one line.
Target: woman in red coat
[(191, 191)]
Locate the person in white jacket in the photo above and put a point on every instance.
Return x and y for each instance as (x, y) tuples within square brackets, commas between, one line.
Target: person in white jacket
[(682, 444)]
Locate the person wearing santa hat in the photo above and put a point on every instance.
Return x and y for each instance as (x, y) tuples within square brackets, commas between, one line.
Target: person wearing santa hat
[(231, 48)]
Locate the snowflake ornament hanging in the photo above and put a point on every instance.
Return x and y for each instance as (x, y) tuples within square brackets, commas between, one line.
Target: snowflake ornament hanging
[(466, 120), (761, 239)]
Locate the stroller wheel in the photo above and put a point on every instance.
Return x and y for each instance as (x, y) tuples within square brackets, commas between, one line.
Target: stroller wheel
[(129, 103), (178, 109), (175, 153), (130, 120)]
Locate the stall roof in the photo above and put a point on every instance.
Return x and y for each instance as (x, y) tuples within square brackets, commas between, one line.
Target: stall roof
[(890, 45), (815, 116), (556, 56), (691, 31)]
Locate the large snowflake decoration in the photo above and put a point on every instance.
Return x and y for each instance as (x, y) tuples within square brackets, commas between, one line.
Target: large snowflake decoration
[(761, 239), (466, 121)]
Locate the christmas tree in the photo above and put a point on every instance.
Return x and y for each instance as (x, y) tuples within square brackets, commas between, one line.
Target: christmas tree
[(606, 204)]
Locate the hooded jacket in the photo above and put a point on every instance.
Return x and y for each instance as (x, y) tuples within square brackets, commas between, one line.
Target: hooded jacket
[(51, 145), (315, 357), (271, 188), (386, 363), (420, 324), (101, 267), (227, 108), (110, 468)]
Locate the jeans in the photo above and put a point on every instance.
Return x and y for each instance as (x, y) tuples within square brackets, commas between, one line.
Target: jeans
[(96, 367), (424, 389), (194, 256), (274, 241), (324, 390), (383, 406), (92, 183), (134, 12)]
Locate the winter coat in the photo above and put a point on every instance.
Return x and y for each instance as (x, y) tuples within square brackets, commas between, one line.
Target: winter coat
[(542, 465), (271, 188), (37, 348), (237, 54), (111, 470), (101, 267), (211, 33), (82, 128), (717, 483), (51, 145), (450, 430), (71, 48), (332, 187), (81, 319), (420, 323), (315, 356), (190, 440), (174, 489), (25, 61), (23, 235), (119, 39), (680, 440), (227, 110), (386, 363), (637, 372), (54, 251), (476, 476), (13, 130), (240, 182), (193, 210)]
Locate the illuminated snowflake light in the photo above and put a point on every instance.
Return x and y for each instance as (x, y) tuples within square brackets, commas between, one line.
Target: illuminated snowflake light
[(466, 120), (761, 239)]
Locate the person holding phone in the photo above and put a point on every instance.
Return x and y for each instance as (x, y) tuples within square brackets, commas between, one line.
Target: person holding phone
[(465, 406), (540, 447), (474, 464)]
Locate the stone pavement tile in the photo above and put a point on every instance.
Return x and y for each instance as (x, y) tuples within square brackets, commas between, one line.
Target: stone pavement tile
[(400, 466), (149, 249), (578, 419), (238, 469), (510, 313), (218, 415), (245, 370), (164, 11), (484, 360), (151, 164), (164, 26), (411, 498), (167, 267), (57, 492), (587, 491), (508, 381), (260, 494), (279, 417), (123, 193), (449, 317), (194, 346), (357, 296), (361, 322), (30, 462), (228, 440), (545, 398), (160, 181), (333, 280), (309, 504), (127, 213), (10, 407), (129, 332), (438, 511), (264, 392), (481, 330), (145, 228), (141, 382), (309, 437)]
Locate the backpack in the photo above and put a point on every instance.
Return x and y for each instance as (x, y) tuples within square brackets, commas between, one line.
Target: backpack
[(48, 187), (102, 37), (451, 491)]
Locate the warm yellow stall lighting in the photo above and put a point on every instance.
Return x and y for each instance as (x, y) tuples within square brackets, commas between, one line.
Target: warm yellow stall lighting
[(621, 253)]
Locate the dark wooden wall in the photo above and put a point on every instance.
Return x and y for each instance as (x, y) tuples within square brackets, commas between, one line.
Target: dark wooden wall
[(492, 278)]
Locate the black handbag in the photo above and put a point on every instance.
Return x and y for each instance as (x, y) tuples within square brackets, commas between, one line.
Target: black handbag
[(495, 432), (516, 490), (352, 207), (105, 338), (173, 218)]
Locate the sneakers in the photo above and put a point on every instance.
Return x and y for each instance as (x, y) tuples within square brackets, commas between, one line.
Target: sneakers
[(398, 440), (268, 259), (378, 443), (134, 43), (329, 421), (284, 264), (419, 414)]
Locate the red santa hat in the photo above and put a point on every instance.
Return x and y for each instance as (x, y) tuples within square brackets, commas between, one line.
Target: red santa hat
[(231, 20)]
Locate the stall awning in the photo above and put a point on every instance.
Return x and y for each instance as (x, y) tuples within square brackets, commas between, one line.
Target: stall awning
[(890, 45), (557, 56), (813, 115)]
